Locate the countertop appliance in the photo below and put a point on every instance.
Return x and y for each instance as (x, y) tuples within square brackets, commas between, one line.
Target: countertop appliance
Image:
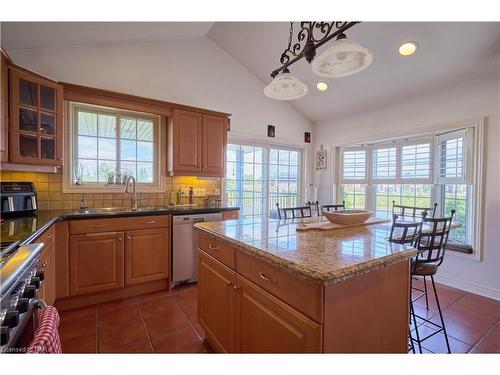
[(185, 245), (17, 198), (21, 277)]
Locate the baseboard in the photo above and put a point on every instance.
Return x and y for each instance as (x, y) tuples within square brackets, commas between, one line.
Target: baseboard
[(469, 287)]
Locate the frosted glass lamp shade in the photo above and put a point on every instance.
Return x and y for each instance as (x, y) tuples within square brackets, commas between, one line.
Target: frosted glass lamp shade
[(343, 58), (285, 86)]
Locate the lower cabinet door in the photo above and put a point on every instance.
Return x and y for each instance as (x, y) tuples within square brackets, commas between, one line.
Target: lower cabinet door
[(96, 262), (48, 261), (264, 324), (216, 303), (146, 255)]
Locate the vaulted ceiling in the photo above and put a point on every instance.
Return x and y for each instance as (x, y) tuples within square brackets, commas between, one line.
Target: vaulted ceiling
[(448, 53)]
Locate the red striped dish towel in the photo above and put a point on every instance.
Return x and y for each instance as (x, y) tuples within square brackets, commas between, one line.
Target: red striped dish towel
[(47, 340)]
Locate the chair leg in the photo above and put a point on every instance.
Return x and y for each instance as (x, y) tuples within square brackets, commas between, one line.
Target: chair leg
[(412, 347), (416, 328), (440, 314), (426, 298)]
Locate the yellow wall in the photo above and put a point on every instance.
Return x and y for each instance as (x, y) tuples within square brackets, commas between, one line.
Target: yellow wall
[(51, 197)]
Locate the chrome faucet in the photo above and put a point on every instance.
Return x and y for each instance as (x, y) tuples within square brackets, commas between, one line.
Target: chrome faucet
[(130, 188)]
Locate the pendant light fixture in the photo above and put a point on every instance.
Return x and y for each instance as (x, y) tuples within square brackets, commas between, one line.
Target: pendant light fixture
[(285, 86), (344, 57)]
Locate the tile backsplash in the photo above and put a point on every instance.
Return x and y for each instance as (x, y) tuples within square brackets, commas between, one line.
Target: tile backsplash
[(51, 197)]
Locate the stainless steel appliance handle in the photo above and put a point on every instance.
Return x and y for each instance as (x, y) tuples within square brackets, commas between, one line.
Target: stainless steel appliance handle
[(10, 202), (33, 202)]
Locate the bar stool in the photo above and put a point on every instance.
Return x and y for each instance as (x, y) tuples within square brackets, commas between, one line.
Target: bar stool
[(430, 247), (314, 206), (406, 233)]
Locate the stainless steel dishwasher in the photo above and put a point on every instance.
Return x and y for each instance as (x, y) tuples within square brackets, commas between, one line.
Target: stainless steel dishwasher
[(185, 246)]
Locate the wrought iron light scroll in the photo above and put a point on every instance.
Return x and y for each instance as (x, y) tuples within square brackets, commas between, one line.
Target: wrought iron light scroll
[(311, 36), (344, 57)]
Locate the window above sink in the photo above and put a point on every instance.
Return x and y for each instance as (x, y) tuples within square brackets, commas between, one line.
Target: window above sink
[(109, 144)]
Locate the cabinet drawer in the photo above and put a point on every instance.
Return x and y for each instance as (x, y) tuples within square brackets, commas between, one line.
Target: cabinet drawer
[(217, 249), (118, 224), (46, 236), (301, 294), (230, 215)]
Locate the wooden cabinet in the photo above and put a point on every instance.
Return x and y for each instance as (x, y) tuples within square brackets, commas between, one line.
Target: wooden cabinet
[(146, 255), (36, 119), (4, 105), (48, 261), (216, 303), (240, 317), (96, 262), (264, 324), (118, 255), (187, 141), (214, 144), (197, 143)]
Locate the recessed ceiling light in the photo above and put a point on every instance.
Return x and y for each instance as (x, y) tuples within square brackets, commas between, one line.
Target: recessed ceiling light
[(408, 48), (322, 86)]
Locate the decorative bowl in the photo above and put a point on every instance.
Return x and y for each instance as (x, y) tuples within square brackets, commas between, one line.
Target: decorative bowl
[(348, 217)]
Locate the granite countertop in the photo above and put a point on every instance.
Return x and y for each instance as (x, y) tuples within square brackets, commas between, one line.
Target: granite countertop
[(323, 257), (27, 228)]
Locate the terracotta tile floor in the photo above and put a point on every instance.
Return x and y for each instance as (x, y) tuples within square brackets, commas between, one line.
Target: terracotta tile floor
[(161, 322), (165, 322)]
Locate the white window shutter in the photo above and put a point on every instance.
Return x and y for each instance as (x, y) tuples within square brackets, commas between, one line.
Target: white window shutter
[(416, 162), (384, 164), (452, 149), (354, 166)]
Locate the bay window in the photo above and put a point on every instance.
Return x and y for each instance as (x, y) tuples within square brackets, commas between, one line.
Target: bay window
[(413, 172)]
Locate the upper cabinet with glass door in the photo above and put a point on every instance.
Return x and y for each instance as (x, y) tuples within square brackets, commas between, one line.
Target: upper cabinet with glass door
[(36, 110)]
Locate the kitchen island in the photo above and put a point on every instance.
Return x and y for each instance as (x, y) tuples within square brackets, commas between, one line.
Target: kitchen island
[(266, 288)]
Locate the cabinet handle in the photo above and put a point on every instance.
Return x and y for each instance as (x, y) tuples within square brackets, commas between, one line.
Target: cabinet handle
[(44, 264), (129, 238), (149, 222), (235, 287), (263, 276), (50, 236), (98, 225), (228, 283), (102, 234), (212, 247)]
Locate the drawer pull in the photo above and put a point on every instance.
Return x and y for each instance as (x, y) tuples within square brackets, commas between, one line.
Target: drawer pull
[(228, 283), (50, 236), (149, 222), (98, 225), (212, 247), (102, 234), (263, 276), (235, 287)]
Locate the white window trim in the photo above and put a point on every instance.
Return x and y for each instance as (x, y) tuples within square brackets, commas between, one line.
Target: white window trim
[(69, 187), (267, 145), (477, 212)]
